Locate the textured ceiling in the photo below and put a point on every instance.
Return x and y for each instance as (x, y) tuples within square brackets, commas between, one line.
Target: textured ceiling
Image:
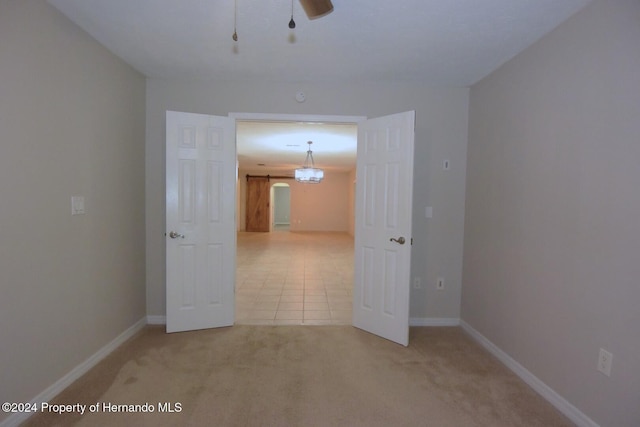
[(282, 146), (440, 42), (434, 42)]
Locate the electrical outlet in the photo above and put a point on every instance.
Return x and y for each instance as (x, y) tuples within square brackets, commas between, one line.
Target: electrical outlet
[(417, 284), (440, 283), (604, 362)]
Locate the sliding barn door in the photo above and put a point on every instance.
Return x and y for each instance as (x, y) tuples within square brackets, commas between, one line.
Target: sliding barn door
[(258, 196)]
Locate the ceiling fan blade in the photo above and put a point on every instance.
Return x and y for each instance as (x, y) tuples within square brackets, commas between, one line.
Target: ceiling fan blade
[(316, 8)]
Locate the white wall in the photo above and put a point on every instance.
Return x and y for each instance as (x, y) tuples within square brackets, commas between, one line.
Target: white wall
[(321, 207), (552, 231), (71, 123), (441, 132)]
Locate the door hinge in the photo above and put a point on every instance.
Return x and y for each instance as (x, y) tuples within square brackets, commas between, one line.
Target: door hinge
[(412, 240)]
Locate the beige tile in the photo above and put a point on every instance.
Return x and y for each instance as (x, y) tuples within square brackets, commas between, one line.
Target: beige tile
[(317, 315), (244, 306), (261, 314), (342, 299), (289, 315), (287, 322), (272, 285), (315, 298), (251, 285), (316, 306), (290, 306), (243, 299), (267, 298), (319, 322), (313, 284), (342, 305), (291, 298), (276, 277), (265, 305), (270, 291), (310, 274), (293, 285), (342, 295), (255, 322), (329, 285)]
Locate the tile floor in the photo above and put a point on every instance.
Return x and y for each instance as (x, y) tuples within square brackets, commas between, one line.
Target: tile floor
[(286, 278)]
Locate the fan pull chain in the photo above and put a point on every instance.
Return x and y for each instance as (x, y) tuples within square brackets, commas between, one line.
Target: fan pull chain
[(235, 20), (292, 23)]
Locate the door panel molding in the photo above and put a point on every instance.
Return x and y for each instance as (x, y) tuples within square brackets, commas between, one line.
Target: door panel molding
[(200, 221), (384, 189)]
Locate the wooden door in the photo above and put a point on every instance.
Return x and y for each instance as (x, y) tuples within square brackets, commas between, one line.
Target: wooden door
[(258, 196)]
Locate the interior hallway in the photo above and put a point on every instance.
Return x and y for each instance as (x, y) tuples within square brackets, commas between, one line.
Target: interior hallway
[(286, 278)]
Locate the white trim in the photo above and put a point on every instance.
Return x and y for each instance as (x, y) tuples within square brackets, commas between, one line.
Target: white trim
[(296, 117), (156, 320), (434, 321), (570, 411), (53, 390)]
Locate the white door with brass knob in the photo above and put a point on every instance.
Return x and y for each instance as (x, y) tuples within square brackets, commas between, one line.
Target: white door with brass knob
[(382, 264), (201, 230)]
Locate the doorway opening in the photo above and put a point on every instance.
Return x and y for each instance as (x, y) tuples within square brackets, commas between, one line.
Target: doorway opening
[(301, 272), (200, 149), (280, 207)]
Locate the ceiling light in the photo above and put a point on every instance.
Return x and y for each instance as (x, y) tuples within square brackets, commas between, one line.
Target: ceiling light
[(309, 174)]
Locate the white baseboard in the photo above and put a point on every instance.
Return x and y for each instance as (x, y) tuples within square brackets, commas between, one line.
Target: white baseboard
[(414, 321), (156, 320), (75, 373), (434, 321), (570, 411)]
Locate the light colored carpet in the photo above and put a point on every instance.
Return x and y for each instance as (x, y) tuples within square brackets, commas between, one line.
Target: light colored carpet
[(305, 376)]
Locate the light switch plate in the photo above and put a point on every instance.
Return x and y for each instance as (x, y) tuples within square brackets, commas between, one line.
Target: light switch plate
[(428, 212), (77, 205), (605, 360)]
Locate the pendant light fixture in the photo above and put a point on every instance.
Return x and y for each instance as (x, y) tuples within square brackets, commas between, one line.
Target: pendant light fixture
[(309, 174)]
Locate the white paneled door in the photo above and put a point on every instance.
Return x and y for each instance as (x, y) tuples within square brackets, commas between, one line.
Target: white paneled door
[(384, 182), (200, 221)]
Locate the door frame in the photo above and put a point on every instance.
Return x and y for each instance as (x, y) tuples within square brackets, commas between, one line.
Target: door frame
[(309, 118)]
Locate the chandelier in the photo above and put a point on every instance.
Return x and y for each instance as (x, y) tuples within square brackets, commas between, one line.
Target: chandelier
[(309, 174)]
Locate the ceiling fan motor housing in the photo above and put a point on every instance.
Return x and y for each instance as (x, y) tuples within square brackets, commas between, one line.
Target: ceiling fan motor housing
[(316, 8)]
